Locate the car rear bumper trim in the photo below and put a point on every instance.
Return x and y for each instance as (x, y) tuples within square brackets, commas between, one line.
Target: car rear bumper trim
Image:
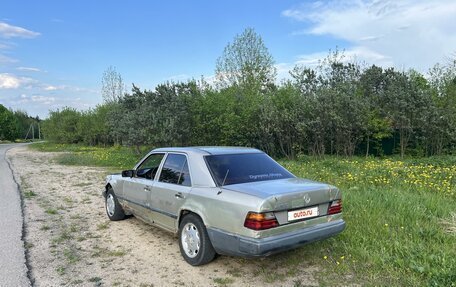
[(231, 244)]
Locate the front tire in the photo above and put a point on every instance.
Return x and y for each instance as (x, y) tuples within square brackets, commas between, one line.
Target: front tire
[(194, 243), (114, 210)]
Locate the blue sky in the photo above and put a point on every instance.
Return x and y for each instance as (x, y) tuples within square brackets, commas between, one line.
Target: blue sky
[(53, 53)]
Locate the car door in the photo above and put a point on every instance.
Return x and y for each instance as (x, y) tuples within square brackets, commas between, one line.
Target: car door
[(171, 189), (138, 188)]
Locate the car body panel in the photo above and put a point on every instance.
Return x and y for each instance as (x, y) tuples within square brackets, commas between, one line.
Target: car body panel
[(136, 195), (223, 209), (169, 199)]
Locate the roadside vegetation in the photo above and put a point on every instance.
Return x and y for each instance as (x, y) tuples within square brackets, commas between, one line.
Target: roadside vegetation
[(115, 157), (400, 213), (17, 126)]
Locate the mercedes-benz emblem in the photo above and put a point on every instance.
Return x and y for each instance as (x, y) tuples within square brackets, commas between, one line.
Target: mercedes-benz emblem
[(306, 198)]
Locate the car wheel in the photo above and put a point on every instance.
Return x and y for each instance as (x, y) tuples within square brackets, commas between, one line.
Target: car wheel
[(194, 243), (113, 209)]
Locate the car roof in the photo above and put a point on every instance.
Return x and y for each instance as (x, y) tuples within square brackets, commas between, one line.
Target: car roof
[(210, 150)]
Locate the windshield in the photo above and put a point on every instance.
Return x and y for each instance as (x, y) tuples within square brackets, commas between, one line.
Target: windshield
[(241, 168)]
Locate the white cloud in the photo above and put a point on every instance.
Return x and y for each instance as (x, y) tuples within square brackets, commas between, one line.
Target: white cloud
[(8, 81), (408, 33), (179, 78), (365, 54), (10, 31), (42, 99), (34, 99), (358, 55), (51, 88), (28, 69)]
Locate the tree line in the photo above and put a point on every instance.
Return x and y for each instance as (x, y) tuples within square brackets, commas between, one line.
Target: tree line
[(339, 107), (17, 125)]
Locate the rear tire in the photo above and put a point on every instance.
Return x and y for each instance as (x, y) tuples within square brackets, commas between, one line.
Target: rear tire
[(194, 243), (114, 210)]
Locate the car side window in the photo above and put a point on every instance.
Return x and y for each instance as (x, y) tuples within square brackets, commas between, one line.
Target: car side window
[(175, 170), (149, 166)]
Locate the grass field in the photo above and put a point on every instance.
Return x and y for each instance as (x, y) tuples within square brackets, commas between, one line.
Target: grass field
[(400, 214)]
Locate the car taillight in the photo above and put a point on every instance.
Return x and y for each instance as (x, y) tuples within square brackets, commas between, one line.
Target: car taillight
[(335, 207), (260, 221)]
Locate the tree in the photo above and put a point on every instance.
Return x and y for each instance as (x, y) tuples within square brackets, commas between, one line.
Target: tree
[(8, 124), (112, 86), (334, 105), (284, 121), (128, 121), (24, 123), (214, 118), (158, 118), (62, 126), (406, 104), (93, 126), (245, 74), (246, 62), (377, 125), (440, 130)]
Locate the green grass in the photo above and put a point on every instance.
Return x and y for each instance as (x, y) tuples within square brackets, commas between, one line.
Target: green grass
[(223, 281), (94, 279), (62, 237), (71, 256), (400, 214), (116, 157), (51, 211), (116, 253), (45, 227), (29, 194), (103, 226), (60, 270)]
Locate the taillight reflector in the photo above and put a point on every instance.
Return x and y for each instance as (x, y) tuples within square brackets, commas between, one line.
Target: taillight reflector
[(335, 207), (260, 221)]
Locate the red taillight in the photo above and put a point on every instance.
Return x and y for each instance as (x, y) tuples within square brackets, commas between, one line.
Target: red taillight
[(335, 207), (260, 221)]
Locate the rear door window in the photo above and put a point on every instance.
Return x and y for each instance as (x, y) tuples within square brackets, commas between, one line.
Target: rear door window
[(175, 170)]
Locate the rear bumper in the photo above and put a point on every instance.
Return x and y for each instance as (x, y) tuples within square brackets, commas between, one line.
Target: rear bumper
[(231, 244)]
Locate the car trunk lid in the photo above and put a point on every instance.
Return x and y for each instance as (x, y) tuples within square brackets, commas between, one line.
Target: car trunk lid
[(287, 194)]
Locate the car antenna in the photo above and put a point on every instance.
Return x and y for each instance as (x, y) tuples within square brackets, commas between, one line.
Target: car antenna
[(223, 183)]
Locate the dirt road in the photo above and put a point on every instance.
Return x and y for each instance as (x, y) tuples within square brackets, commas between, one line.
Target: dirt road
[(71, 242)]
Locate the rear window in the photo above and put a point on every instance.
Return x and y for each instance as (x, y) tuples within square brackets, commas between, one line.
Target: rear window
[(241, 168)]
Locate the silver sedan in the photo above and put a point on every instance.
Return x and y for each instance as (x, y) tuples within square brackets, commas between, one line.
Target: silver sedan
[(225, 200)]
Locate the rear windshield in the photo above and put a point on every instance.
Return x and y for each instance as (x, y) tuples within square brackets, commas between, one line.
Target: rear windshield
[(240, 168)]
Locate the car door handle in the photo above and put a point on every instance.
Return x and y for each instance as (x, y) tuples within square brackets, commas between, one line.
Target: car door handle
[(146, 188), (179, 195)]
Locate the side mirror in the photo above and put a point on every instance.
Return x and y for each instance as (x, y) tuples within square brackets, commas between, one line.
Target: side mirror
[(128, 173)]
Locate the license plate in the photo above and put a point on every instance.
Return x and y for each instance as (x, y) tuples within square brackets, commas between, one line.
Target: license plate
[(302, 213)]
